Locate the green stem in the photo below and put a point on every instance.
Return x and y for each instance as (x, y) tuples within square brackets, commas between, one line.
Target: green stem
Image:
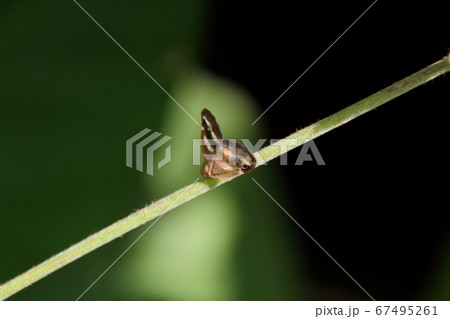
[(201, 186)]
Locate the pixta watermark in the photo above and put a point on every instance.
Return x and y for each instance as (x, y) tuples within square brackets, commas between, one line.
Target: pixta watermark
[(140, 150)]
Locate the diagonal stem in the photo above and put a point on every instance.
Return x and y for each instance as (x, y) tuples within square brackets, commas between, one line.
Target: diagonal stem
[(187, 193)]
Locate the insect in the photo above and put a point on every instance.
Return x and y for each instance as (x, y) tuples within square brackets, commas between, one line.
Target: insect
[(223, 158)]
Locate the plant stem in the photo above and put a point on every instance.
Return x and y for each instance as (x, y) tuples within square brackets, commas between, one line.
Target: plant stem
[(201, 186)]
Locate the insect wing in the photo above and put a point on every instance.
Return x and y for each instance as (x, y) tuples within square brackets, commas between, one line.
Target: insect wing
[(211, 135)]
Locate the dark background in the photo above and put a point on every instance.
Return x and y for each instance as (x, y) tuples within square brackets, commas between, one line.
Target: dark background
[(71, 97), (379, 204)]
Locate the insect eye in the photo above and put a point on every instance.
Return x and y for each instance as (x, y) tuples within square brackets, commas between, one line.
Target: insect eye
[(240, 163), (243, 165)]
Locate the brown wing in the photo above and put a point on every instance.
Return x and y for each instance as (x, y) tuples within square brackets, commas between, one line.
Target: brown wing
[(211, 134)]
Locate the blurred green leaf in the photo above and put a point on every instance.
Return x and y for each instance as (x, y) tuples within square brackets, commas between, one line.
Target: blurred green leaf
[(229, 244)]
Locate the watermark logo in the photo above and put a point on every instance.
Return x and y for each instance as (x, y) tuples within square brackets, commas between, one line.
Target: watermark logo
[(309, 151), (142, 145)]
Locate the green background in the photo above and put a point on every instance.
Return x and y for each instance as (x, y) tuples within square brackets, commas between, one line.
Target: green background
[(70, 99)]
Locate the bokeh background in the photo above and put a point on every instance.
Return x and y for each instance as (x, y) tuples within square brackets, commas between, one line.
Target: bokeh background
[(70, 98)]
